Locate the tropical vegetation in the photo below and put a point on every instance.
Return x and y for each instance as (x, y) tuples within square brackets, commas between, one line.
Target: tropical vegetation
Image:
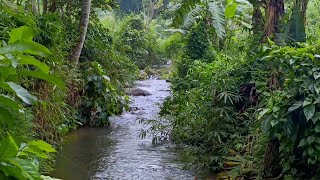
[(245, 80)]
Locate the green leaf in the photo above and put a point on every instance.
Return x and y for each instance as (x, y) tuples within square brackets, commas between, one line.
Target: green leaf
[(231, 9), (302, 143), (310, 151), (316, 117), (6, 72), (22, 33), (42, 145), (311, 139), (5, 114), (8, 102), (22, 93), (10, 170), (41, 75), (218, 18), (29, 169), (29, 60), (263, 112), (8, 148), (306, 102), (309, 111), (316, 75), (191, 18), (274, 122), (28, 47), (33, 150), (295, 106), (48, 178)]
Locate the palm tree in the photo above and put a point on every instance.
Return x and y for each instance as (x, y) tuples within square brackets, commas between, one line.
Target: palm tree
[(211, 11), (83, 26)]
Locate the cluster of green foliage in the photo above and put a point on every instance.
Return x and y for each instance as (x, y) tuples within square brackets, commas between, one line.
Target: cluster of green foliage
[(243, 105), (18, 61), (140, 43), (83, 93), (223, 127)]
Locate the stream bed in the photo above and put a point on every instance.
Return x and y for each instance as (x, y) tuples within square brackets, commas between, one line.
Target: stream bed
[(116, 152)]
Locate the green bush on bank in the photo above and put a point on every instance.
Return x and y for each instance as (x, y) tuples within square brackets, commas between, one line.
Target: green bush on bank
[(228, 127)]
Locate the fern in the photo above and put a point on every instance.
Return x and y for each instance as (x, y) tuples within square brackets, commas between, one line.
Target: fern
[(218, 18)]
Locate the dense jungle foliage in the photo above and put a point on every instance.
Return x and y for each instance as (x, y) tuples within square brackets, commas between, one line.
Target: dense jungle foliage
[(245, 80)]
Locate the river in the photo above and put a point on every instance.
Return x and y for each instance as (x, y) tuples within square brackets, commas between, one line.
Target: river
[(116, 152)]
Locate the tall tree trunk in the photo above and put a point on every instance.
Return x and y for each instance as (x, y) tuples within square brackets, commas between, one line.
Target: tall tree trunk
[(34, 6), (275, 8), (304, 5), (38, 1), (45, 6), (83, 26), (53, 6), (271, 162), (257, 21)]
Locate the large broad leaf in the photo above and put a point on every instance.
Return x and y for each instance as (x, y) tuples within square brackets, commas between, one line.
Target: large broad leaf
[(22, 93), (309, 111), (33, 150), (42, 145), (28, 47), (22, 59), (8, 102), (8, 148), (41, 75), (295, 106), (218, 19), (5, 114), (296, 26), (10, 170), (192, 16), (22, 33), (231, 9), (6, 72), (29, 169), (183, 9)]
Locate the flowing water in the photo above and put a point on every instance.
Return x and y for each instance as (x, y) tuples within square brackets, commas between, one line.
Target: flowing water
[(116, 152)]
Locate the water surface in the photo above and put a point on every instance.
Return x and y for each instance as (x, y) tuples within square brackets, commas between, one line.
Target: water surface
[(116, 152)]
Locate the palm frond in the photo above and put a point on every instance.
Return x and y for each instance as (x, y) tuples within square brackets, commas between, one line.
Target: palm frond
[(182, 9), (192, 17), (218, 18)]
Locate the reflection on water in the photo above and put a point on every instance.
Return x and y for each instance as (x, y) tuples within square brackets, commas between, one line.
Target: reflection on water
[(116, 152)]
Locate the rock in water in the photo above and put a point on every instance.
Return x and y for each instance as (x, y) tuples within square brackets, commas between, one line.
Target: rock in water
[(136, 92)]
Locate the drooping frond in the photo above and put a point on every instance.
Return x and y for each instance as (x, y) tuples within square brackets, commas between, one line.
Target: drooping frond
[(218, 18), (192, 16), (183, 9)]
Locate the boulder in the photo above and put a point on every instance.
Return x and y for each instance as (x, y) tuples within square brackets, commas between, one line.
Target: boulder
[(136, 92)]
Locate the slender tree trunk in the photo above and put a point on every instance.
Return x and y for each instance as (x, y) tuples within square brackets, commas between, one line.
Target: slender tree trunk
[(271, 163), (257, 21), (275, 8), (34, 6), (53, 6), (304, 6), (45, 6), (83, 26), (38, 1)]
